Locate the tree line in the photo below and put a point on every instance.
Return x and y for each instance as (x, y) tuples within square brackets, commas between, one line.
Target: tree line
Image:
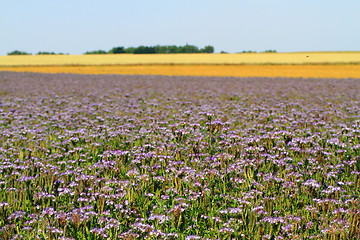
[(17, 52), (136, 50), (158, 49)]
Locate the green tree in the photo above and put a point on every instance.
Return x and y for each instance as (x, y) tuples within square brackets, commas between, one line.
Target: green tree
[(117, 50), (45, 53), (189, 49), (16, 52), (130, 50), (207, 49), (173, 49), (96, 52), (144, 50), (270, 51), (161, 49), (248, 51)]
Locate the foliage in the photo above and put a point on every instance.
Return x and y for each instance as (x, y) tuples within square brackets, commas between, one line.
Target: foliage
[(131, 50), (117, 50), (158, 49), (249, 51), (16, 52), (50, 53), (144, 50), (270, 51), (97, 52), (46, 53), (207, 49)]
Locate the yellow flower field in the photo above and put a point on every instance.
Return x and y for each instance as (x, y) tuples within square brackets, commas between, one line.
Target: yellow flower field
[(149, 59), (305, 71), (310, 64)]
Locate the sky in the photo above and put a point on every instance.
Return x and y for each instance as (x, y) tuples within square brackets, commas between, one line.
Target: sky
[(77, 26)]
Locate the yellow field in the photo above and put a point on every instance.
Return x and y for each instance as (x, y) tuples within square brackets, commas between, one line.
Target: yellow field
[(305, 71), (310, 64), (214, 59)]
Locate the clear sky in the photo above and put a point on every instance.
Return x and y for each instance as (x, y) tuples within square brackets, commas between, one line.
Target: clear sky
[(77, 26)]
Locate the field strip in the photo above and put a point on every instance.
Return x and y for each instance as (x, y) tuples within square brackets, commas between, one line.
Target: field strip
[(305, 71), (188, 59)]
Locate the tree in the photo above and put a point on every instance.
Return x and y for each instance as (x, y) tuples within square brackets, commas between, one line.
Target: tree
[(270, 51), (16, 52), (130, 50), (117, 50), (161, 49), (173, 49), (96, 52), (189, 49), (207, 49), (45, 53), (144, 50), (248, 51)]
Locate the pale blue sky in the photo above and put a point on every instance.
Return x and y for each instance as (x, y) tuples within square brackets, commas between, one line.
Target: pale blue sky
[(77, 26)]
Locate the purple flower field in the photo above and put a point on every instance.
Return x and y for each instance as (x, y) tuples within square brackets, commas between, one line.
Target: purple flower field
[(156, 157)]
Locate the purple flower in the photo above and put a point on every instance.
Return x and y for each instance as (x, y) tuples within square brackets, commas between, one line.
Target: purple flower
[(311, 183)]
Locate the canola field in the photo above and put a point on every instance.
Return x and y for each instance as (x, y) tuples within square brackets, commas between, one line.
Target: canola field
[(173, 157), (295, 71), (310, 64), (190, 59)]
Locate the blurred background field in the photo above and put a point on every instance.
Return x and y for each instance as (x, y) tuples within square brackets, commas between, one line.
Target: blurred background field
[(301, 64), (305, 71), (149, 59)]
